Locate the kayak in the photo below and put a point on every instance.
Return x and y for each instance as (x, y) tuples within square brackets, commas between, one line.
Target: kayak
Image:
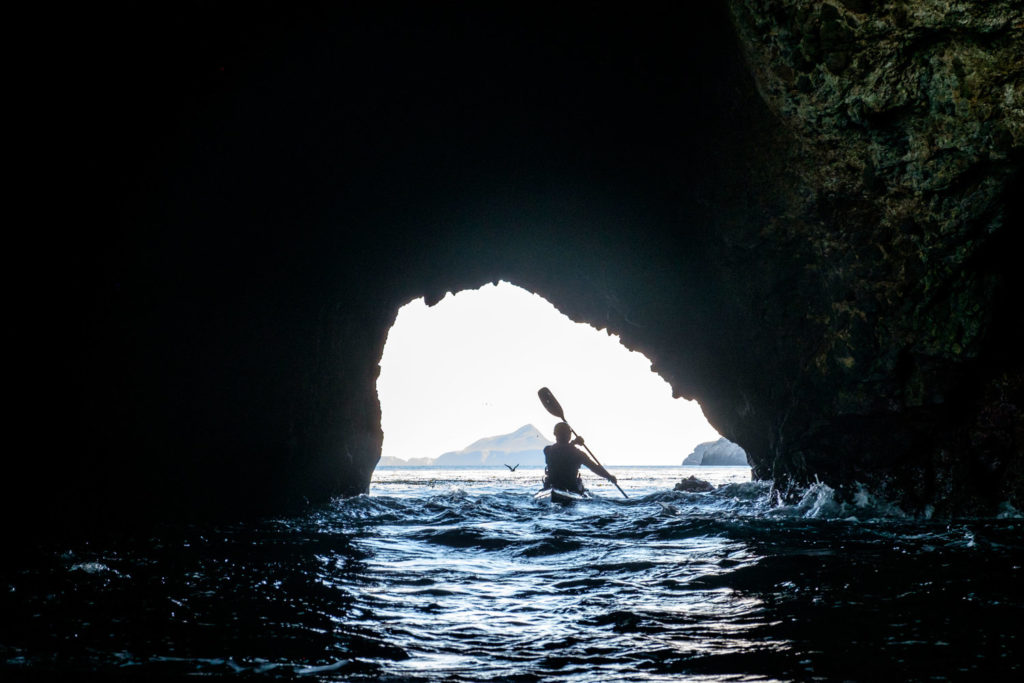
[(561, 496)]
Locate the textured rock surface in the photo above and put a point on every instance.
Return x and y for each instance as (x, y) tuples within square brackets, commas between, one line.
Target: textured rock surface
[(906, 124), (813, 229), (693, 485)]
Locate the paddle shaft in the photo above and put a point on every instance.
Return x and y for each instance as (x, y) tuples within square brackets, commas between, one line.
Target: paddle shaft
[(555, 408), (594, 458)]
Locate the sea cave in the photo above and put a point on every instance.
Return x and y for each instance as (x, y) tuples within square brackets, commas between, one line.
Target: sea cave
[(806, 214)]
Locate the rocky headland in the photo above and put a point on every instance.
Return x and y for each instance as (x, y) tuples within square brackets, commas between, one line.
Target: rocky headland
[(524, 446), (717, 453)]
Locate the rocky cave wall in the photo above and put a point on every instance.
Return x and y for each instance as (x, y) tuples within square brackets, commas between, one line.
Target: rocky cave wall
[(907, 119), (806, 214)]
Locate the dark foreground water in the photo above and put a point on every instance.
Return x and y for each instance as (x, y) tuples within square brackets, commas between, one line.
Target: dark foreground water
[(457, 575)]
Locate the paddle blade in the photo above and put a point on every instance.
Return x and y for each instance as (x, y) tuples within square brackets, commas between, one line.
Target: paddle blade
[(550, 403)]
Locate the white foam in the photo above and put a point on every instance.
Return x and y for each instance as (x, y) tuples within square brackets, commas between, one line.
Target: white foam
[(819, 501), (92, 568)]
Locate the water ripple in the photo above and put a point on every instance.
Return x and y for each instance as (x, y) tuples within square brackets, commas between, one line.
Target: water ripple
[(466, 578)]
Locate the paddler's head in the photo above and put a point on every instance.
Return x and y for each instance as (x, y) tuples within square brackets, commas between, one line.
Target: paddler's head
[(562, 432)]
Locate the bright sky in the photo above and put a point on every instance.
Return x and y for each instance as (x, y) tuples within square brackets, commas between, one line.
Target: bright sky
[(470, 367)]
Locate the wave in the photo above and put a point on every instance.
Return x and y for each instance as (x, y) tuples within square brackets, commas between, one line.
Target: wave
[(475, 582)]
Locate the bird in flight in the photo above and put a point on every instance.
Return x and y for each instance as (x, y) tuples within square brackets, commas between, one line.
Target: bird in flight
[(511, 468)]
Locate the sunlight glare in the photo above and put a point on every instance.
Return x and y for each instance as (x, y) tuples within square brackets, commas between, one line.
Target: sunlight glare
[(470, 367)]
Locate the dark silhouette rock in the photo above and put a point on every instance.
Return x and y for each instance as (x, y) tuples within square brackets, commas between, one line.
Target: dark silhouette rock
[(692, 484), (806, 215)]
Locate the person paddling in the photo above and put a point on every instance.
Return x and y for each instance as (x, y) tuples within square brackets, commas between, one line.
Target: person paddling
[(563, 460)]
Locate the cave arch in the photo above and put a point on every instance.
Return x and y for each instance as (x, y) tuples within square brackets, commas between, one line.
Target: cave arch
[(256, 220), (251, 212), (470, 365)]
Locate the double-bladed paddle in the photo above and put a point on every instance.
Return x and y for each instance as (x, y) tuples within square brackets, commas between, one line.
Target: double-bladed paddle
[(555, 408)]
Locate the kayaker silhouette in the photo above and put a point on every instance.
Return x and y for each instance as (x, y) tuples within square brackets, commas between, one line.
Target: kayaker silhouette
[(564, 459)]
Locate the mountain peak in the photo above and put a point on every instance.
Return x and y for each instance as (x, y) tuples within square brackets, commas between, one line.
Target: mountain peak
[(523, 438), (524, 445), (525, 429)]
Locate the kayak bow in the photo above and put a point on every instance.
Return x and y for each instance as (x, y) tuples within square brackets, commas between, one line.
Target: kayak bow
[(561, 496)]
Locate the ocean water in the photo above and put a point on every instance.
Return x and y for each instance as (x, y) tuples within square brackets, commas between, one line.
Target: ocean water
[(459, 575)]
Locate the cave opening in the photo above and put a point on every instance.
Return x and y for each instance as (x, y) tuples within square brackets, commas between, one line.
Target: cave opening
[(469, 367)]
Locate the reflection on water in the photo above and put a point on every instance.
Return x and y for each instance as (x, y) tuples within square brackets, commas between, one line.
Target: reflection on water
[(460, 575)]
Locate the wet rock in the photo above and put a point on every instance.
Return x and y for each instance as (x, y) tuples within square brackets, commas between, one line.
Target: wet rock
[(906, 136), (692, 484)]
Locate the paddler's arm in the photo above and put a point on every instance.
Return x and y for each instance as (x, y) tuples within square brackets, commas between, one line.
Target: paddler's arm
[(594, 467)]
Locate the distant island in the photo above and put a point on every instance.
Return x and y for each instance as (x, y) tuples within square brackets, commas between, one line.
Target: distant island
[(722, 453), (525, 447)]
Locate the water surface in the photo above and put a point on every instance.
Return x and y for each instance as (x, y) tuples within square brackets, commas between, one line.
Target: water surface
[(458, 575)]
